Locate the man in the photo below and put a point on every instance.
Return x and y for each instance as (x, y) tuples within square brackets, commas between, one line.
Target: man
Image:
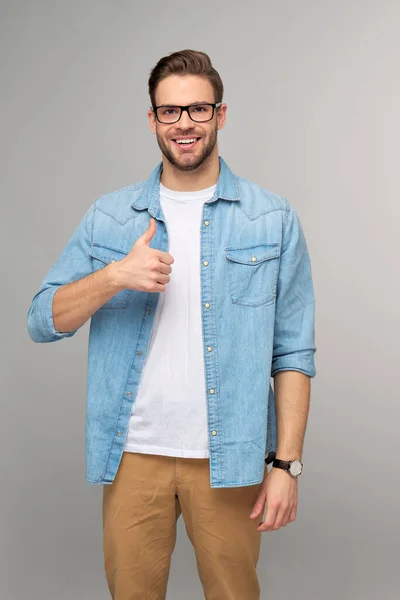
[(198, 285)]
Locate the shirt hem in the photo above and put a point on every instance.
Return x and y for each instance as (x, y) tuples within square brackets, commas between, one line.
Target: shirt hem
[(166, 451)]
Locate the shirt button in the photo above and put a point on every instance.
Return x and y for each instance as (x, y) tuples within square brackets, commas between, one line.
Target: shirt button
[(113, 260), (212, 391), (214, 432), (128, 394), (206, 222), (148, 311), (139, 353), (119, 433), (207, 305), (253, 259), (209, 349), (205, 263)]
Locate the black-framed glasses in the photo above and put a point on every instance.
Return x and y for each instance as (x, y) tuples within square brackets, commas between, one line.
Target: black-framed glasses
[(199, 112)]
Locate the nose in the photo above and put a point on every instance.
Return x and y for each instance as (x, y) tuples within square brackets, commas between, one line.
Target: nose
[(185, 121)]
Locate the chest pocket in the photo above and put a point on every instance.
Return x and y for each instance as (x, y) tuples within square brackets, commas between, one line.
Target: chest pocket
[(253, 273), (102, 256)]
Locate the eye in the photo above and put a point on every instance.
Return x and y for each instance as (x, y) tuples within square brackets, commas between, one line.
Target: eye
[(170, 110)]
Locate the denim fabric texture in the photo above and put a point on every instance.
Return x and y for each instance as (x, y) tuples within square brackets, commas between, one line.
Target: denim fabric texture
[(257, 303)]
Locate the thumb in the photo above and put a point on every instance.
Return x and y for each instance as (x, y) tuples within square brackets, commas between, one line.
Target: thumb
[(259, 506), (149, 233)]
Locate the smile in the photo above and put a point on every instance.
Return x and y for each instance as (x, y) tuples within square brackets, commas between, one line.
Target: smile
[(186, 142)]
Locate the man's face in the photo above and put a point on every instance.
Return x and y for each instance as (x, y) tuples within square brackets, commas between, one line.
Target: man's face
[(183, 90)]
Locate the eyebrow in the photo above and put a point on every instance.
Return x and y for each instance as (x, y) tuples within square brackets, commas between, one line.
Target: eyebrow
[(191, 104)]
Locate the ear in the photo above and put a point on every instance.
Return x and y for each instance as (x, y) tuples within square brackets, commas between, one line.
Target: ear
[(221, 115), (152, 120)]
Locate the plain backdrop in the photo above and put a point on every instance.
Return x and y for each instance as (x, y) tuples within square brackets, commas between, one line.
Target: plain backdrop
[(313, 98)]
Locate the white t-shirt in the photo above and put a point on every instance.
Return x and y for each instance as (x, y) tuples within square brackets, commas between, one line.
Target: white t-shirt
[(169, 414)]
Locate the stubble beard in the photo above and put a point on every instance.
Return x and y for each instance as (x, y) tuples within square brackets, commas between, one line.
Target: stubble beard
[(189, 166)]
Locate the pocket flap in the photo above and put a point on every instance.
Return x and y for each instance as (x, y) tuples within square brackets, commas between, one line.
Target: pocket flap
[(105, 253), (253, 255)]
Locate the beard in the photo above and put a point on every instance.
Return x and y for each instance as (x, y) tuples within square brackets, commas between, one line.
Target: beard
[(187, 161)]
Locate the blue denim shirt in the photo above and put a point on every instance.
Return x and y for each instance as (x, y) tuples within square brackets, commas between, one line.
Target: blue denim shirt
[(257, 307)]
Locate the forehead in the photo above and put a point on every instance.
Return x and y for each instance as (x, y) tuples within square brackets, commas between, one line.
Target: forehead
[(184, 89)]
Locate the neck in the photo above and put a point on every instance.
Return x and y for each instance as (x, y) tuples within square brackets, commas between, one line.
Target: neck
[(190, 181)]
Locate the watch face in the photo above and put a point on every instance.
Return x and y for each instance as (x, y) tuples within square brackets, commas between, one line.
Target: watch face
[(296, 468)]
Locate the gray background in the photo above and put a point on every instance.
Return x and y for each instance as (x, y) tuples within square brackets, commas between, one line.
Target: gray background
[(313, 100)]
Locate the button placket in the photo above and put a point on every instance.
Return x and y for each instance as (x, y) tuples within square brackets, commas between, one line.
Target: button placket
[(133, 379), (213, 409)]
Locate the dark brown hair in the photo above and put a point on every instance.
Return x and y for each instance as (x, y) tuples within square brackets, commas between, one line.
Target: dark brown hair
[(185, 62)]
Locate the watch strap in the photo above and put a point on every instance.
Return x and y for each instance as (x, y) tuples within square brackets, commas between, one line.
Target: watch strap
[(270, 457), (281, 464)]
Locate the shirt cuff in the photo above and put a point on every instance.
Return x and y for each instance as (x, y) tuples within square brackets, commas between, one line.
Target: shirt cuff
[(45, 316), (303, 364)]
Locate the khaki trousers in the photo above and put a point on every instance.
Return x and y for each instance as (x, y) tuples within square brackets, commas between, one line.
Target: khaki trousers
[(140, 511)]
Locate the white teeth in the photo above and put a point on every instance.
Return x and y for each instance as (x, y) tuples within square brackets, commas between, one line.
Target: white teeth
[(186, 141)]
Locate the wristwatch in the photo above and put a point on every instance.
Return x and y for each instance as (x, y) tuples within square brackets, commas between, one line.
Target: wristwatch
[(293, 467)]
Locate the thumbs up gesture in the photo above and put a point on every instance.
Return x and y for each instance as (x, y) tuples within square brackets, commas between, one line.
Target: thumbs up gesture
[(143, 268)]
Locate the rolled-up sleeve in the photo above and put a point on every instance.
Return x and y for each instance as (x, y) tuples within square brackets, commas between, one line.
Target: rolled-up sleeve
[(294, 330), (73, 264)]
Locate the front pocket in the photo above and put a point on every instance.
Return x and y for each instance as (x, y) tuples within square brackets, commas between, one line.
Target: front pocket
[(253, 273), (102, 256)]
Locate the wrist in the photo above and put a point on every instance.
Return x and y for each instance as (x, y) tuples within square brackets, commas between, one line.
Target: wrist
[(114, 276), (293, 467), (288, 454), (288, 457)]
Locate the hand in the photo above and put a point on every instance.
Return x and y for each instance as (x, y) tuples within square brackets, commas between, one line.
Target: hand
[(280, 491), (143, 268)]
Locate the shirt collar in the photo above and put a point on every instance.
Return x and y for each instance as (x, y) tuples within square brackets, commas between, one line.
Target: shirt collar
[(226, 189)]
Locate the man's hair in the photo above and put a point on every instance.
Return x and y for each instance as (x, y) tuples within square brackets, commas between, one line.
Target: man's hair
[(185, 62)]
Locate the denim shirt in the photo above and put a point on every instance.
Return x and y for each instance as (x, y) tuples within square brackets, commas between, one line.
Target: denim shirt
[(257, 311)]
